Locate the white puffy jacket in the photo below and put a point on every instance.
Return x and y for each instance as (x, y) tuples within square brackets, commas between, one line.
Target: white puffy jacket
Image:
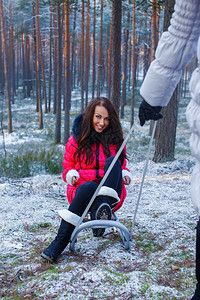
[(175, 50)]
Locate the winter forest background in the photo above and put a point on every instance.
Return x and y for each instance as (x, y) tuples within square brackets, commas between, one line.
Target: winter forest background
[(55, 56)]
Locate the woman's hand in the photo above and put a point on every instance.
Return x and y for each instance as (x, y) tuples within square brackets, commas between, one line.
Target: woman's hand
[(75, 180), (126, 180)]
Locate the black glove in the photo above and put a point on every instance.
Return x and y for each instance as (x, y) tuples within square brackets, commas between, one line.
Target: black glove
[(148, 112)]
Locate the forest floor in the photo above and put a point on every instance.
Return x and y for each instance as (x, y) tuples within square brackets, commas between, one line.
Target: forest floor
[(161, 261)]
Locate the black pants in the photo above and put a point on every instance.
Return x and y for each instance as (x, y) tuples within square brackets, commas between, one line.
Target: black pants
[(197, 291), (78, 205)]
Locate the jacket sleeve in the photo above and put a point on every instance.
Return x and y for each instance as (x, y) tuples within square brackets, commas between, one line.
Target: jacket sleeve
[(175, 50), (69, 162)]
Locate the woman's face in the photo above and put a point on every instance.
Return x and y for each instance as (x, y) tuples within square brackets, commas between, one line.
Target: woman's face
[(100, 118)]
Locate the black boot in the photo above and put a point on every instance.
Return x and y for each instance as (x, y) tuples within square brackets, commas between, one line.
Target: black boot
[(102, 212), (52, 252), (197, 291)]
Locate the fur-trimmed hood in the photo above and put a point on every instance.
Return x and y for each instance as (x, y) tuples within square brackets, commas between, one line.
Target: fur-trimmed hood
[(76, 126)]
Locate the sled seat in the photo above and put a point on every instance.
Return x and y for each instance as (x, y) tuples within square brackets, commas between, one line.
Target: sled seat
[(123, 231)]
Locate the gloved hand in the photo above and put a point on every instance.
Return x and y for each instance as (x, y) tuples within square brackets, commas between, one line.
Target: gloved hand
[(148, 112)]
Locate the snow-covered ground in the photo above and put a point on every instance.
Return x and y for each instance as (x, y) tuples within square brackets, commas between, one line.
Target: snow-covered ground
[(161, 261)]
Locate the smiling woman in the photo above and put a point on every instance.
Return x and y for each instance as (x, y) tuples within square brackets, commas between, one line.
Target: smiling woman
[(100, 118), (97, 136)]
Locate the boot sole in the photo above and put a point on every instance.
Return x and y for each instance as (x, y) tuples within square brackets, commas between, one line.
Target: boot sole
[(103, 213), (47, 258)]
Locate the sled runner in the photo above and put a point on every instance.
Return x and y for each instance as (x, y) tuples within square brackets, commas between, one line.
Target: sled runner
[(123, 231)]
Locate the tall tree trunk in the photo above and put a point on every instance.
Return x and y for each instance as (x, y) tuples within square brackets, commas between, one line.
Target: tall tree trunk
[(133, 66), (82, 56), (23, 61), (11, 55), (154, 41), (93, 51), (55, 64), (43, 74), (2, 81), (50, 59), (166, 128), (157, 22), (78, 67), (145, 57), (28, 67), (17, 65), (99, 71), (110, 56), (87, 63), (154, 29), (124, 77), (34, 48), (67, 86), (38, 84), (59, 78), (75, 64), (129, 64), (116, 63), (73, 55), (3, 38)]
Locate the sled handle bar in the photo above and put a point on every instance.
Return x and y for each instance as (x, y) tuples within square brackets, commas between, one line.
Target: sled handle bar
[(143, 176)]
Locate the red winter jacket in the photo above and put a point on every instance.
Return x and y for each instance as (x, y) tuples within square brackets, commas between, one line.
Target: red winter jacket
[(87, 172)]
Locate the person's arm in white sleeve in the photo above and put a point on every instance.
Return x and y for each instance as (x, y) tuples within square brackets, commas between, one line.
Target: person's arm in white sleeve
[(175, 50)]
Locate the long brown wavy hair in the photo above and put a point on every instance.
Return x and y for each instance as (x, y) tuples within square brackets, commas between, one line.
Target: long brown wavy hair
[(111, 135)]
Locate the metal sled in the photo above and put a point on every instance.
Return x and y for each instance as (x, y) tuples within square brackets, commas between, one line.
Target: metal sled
[(123, 231)]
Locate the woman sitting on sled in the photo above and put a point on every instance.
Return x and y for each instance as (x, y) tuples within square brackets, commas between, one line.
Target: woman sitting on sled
[(97, 136)]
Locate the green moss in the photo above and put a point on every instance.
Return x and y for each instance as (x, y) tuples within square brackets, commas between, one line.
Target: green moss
[(31, 162)]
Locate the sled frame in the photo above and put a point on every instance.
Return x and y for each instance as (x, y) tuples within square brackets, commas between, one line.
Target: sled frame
[(123, 231)]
